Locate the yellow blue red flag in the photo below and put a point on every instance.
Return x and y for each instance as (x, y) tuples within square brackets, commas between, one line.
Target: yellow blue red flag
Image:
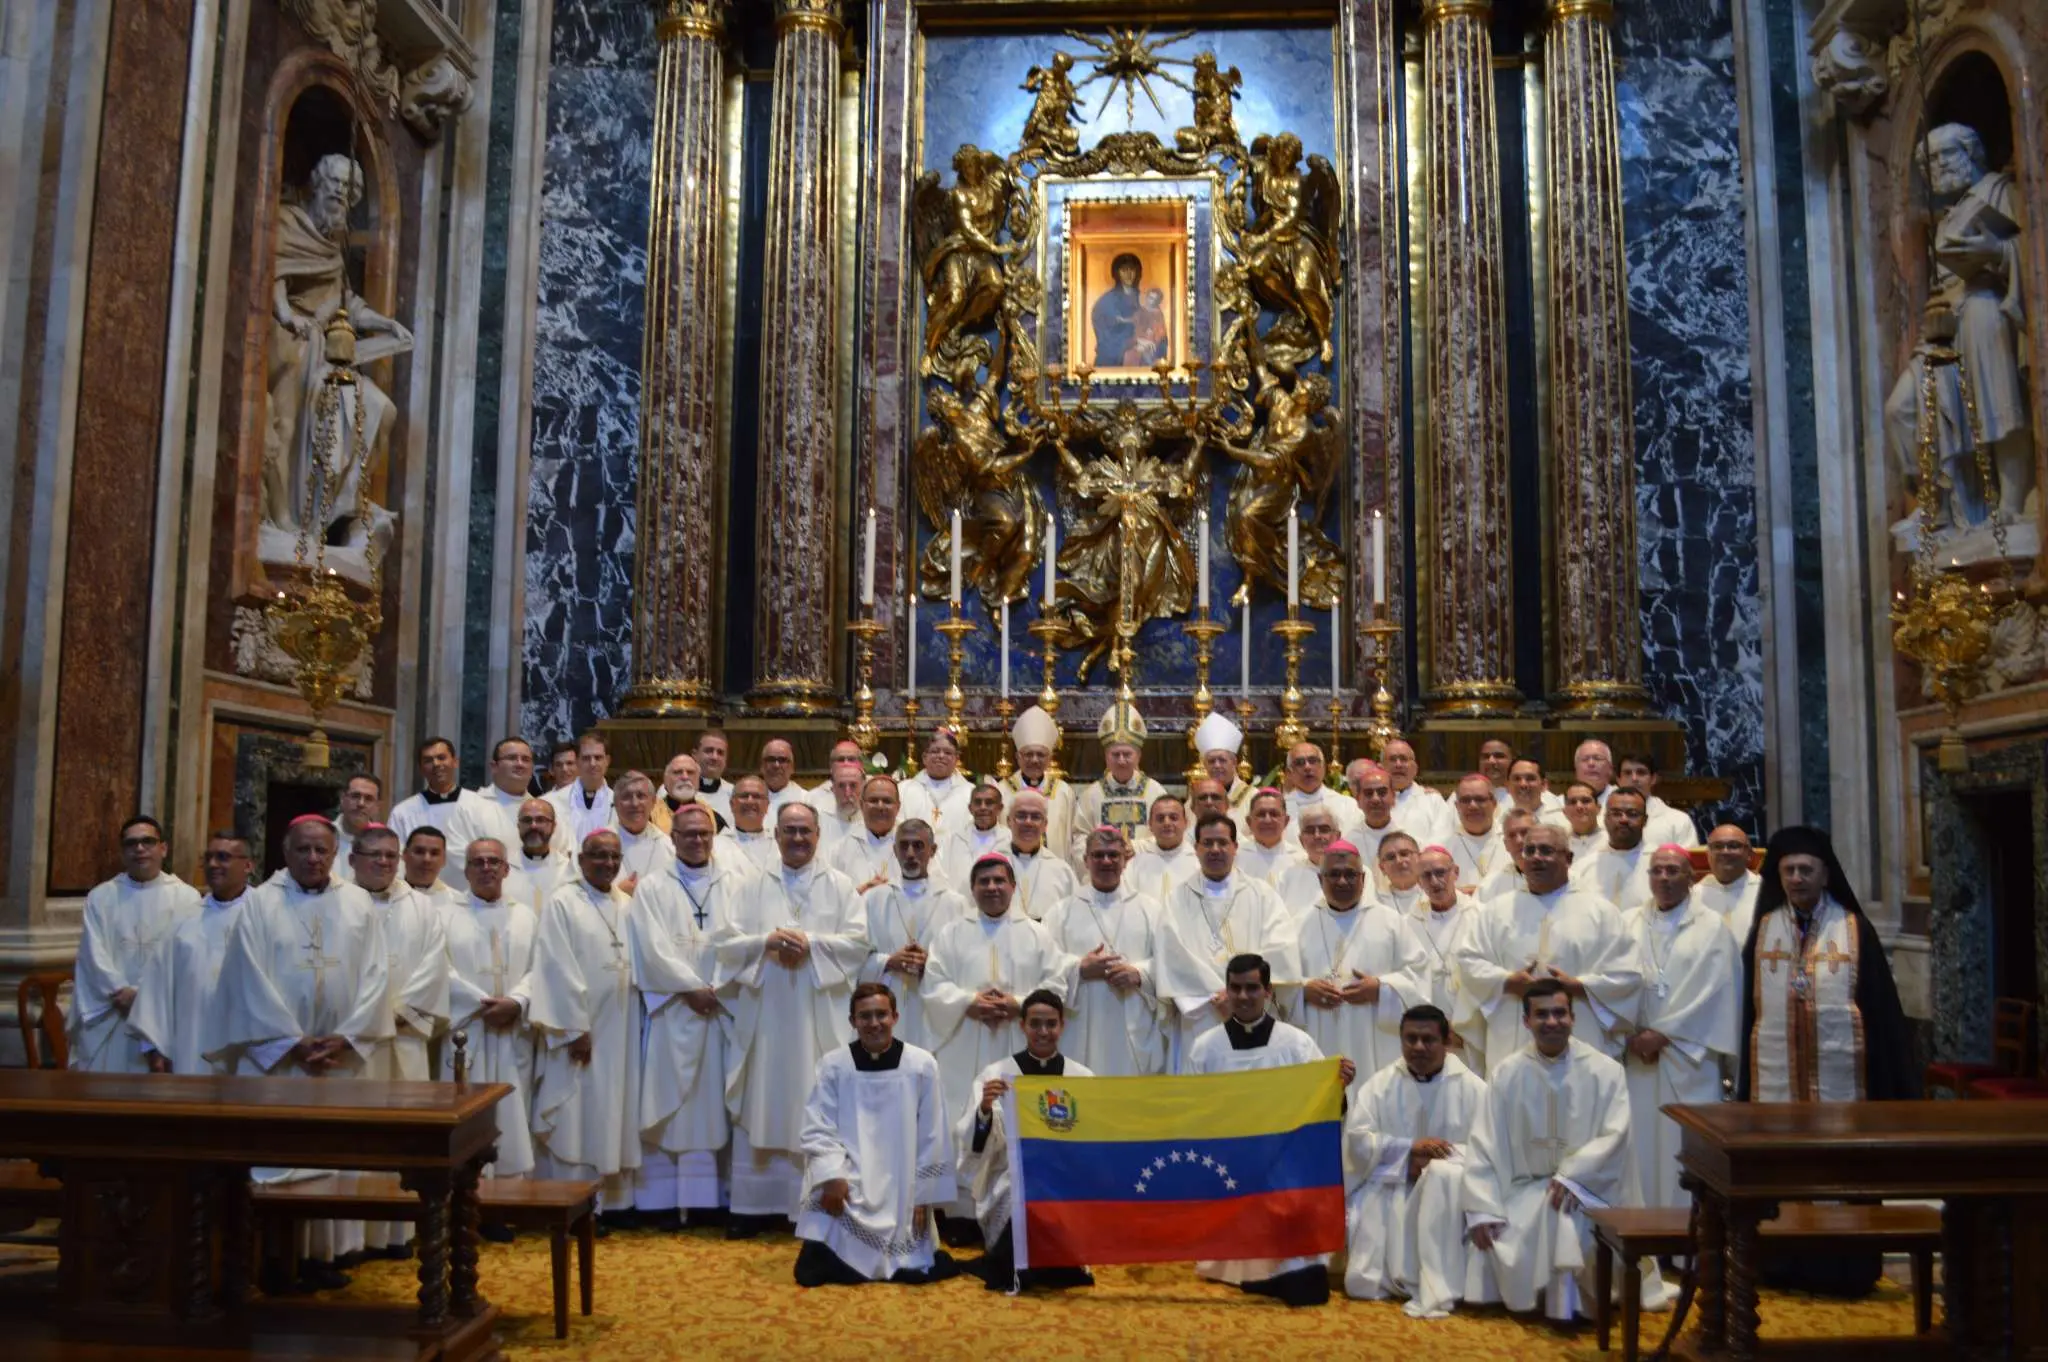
[(1153, 1170)]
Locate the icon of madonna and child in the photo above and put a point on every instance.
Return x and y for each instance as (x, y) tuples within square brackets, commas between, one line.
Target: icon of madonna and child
[(1129, 319)]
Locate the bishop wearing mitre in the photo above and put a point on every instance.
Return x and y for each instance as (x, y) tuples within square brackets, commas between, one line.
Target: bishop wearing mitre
[(1360, 968), (1108, 933), (1124, 795), (1035, 736)]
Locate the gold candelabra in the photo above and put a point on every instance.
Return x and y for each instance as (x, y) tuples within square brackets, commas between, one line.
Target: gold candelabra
[(1245, 709), (1204, 632), (1335, 765), (1291, 730), (956, 631), (863, 729), (1382, 729), (1050, 632), (910, 708), (1006, 709)]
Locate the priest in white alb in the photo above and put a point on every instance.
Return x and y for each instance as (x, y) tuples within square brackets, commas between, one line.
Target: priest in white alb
[(493, 810), (1208, 920), (867, 853), (416, 944), (750, 836), (1472, 835), (1268, 854), (1308, 788), (1688, 1015), (683, 1120), (126, 919), (1406, 1137), (584, 805), (1361, 968), (1551, 1142), (788, 959), (539, 867), (1043, 875), (176, 989), (938, 792), (1507, 880), (1730, 887), (1108, 933), (986, 830), (1619, 871), (903, 917), (1300, 886), (490, 951), (1168, 860), (644, 849), (586, 1098), (1440, 919)]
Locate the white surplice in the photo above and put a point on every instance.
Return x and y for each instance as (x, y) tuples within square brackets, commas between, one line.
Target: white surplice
[(784, 1019), (1213, 1053), (985, 1167), (1203, 924), (910, 912), (884, 1131), (586, 1116), (758, 848), (125, 921), (416, 950), (1156, 872), (1423, 814), (1115, 1032), (1689, 995), (581, 812), (683, 1120), (1441, 935), (176, 990), (1735, 902), (1502, 883), (490, 951), (1267, 864), (644, 854), (417, 811), (1367, 940), (534, 879), (861, 855), (1576, 933), (1011, 953), (1043, 879), (941, 803), (1059, 811), (1620, 877), (1545, 1120), (1478, 858), (1408, 1238)]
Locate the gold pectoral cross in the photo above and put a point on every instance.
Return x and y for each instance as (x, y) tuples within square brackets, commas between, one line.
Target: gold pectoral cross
[(620, 966), (318, 961)]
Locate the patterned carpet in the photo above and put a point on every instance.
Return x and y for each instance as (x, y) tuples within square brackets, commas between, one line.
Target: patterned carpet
[(693, 1294)]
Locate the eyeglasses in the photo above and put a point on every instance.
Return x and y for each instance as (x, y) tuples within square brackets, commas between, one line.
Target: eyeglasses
[(140, 843)]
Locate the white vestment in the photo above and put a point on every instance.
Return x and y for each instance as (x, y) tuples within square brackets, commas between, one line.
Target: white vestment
[(1808, 1030), (1666, 824), (860, 856), (125, 921), (1735, 902), (1502, 883), (1203, 924), (718, 794), (1478, 858), (885, 1133), (683, 1120), (1620, 877), (961, 848), (1585, 844), (416, 811), (943, 802), (1423, 814), (176, 989), (416, 950), (1126, 806), (1689, 995), (1341, 806), (490, 951), (790, 793), (1043, 879), (645, 854), (785, 1018), (1549, 810), (1267, 864), (1115, 1032), (1367, 839), (1011, 953), (1368, 940), (985, 1171), (757, 847), (582, 813), (1156, 872), (899, 915), (1564, 1120), (1212, 1053), (1441, 935), (494, 813), (1574, 933), (534, 880), (1408, 1238), (586, 1116), (1059, 810)]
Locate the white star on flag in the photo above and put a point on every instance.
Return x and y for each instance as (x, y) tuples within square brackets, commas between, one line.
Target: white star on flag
[(1208, 1162), (1230, 1184), (1159, 1163), (1175, 1156)]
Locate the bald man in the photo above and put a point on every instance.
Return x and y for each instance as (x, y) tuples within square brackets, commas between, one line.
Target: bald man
[(1306, 790), (1418, 810), (1473, 839), (1730, 887), (539, 867), (778, 770)]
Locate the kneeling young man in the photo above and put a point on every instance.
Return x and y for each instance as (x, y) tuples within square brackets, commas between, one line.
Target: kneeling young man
[(985, 1154), (1251, 1037), (877, 1158), (1406, 1135)]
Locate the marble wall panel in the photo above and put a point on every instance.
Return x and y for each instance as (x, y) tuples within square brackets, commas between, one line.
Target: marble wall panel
[(586, 381), (1695, 445)]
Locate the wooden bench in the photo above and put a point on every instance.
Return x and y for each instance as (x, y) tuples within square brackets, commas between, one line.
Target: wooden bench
[(26, 1196), (561, 1208), (1633, 1234)]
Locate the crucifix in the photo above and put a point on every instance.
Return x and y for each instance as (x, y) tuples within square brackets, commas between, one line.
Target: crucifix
[(317, 960)]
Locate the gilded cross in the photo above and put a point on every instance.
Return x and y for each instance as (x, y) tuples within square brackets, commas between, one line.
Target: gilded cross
[(1834, 957), (1774, 956), (619, 965), (317, 960)]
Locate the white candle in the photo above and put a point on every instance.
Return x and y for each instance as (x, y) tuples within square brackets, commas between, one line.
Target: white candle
[(1244, 640), (1293, 558), (955, 598), (1006, 649), (1379, 559), (1052, 558), (867, 571), (910, 685), (1202, 558), (1336, 645)]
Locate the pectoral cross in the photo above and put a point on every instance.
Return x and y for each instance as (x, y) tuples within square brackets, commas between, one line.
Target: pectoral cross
[(1835, 958), (317, 960), (1774, 956), (620, 966)]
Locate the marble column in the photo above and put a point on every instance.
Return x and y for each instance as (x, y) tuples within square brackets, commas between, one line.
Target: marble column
[(794, 626), (1599, 619), (675, 571), (1471, 638)]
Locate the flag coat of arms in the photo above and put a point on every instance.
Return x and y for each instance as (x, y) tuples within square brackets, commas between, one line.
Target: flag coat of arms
[(1158, 1169)]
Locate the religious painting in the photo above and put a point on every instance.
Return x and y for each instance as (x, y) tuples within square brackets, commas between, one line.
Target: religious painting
[(1128, 287)]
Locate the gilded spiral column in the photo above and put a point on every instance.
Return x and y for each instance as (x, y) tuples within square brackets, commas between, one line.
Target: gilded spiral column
[(1599, 627), (793, 629), (675, 570), (1471, 642)]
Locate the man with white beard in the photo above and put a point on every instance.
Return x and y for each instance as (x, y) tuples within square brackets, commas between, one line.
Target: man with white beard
[(490, 950), (1619, 871), (645, 852), (1209, 919), (126, 919), (749, 835), (1688, 1018), (867, 855), (1360, 968), (1108, 932), (1418, 810), (1550, 931), (1440, 920), (683, 1121), (826, 795), (1170, 861), (586, 1100), (840, 816), (584, 805), (1730, 887), (1551, 1140), (1268, 855), (1508, 879), (788, 959), (1470, 833), (985, 831), (1407, 1134), (539, 867), (1043, 878), (679, 786), (903, 917), (176, 988)]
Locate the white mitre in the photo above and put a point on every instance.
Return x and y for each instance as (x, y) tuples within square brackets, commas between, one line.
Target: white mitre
[(1218, 734), (1035, 728)]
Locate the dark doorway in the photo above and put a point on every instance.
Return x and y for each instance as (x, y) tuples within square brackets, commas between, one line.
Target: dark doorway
[(2006, 824), (286, 801)]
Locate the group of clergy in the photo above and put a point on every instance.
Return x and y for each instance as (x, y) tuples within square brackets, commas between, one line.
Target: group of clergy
[(805, 1005)]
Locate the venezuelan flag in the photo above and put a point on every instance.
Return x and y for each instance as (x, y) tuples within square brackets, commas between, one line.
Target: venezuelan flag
[(1154, 1170)]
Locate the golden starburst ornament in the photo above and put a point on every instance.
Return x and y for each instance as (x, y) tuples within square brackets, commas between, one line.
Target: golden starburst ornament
[(1130, 59)]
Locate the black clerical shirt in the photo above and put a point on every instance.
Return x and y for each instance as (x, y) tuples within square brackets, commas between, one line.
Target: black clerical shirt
[(1254, 1037), (876, 1064), (1028, 1065)]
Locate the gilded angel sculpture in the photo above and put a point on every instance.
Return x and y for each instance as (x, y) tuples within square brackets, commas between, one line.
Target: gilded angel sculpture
[(1215, 113), (964, 462), (1050, 127), (954, 233), (1290, 250), (1291, 459)]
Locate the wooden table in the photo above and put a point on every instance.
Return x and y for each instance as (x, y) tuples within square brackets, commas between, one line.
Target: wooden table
[(1986, 1161), (156, 1221)]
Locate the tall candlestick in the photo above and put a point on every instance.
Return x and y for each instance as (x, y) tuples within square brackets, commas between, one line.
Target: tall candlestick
[(1293, 557), (1336, 645), (1379, 559), (1052, 559), (955, 597), (1244, 640), (1202, 560), (867, 570), (1006, 649), (910, 682)]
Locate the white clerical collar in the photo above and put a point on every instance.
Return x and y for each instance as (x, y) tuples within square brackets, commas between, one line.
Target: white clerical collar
[(1174, 852), (295, 887), (1382, 828), (917, 888), (1561, 1057), (1404, 899), (1669, 920), (989, 924), (742, 835), (982, 836), (479, 902), (1350, 912), (1273, 849), (1549, 900), (877, 840), (214, 905), (797, 874), (1216, 889), (493, 792), (693, 874), (133, 883), (1106, 898), (647, 830)]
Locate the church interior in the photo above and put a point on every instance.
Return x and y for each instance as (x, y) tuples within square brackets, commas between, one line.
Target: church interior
[(1448, 376)]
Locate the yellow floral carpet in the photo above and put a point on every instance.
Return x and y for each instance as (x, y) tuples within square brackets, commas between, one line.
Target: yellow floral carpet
[(668, 1295)]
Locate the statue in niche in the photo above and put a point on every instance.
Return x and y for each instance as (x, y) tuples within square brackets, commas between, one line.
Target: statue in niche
[(308, 464), (954, 232), (964, 463), (1290, 461), (1050, 126), (1975, 295), (1215, 107), (1290, 251)]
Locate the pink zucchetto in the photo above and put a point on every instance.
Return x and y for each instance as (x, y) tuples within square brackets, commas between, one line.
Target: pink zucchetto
[(1340, 847)]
